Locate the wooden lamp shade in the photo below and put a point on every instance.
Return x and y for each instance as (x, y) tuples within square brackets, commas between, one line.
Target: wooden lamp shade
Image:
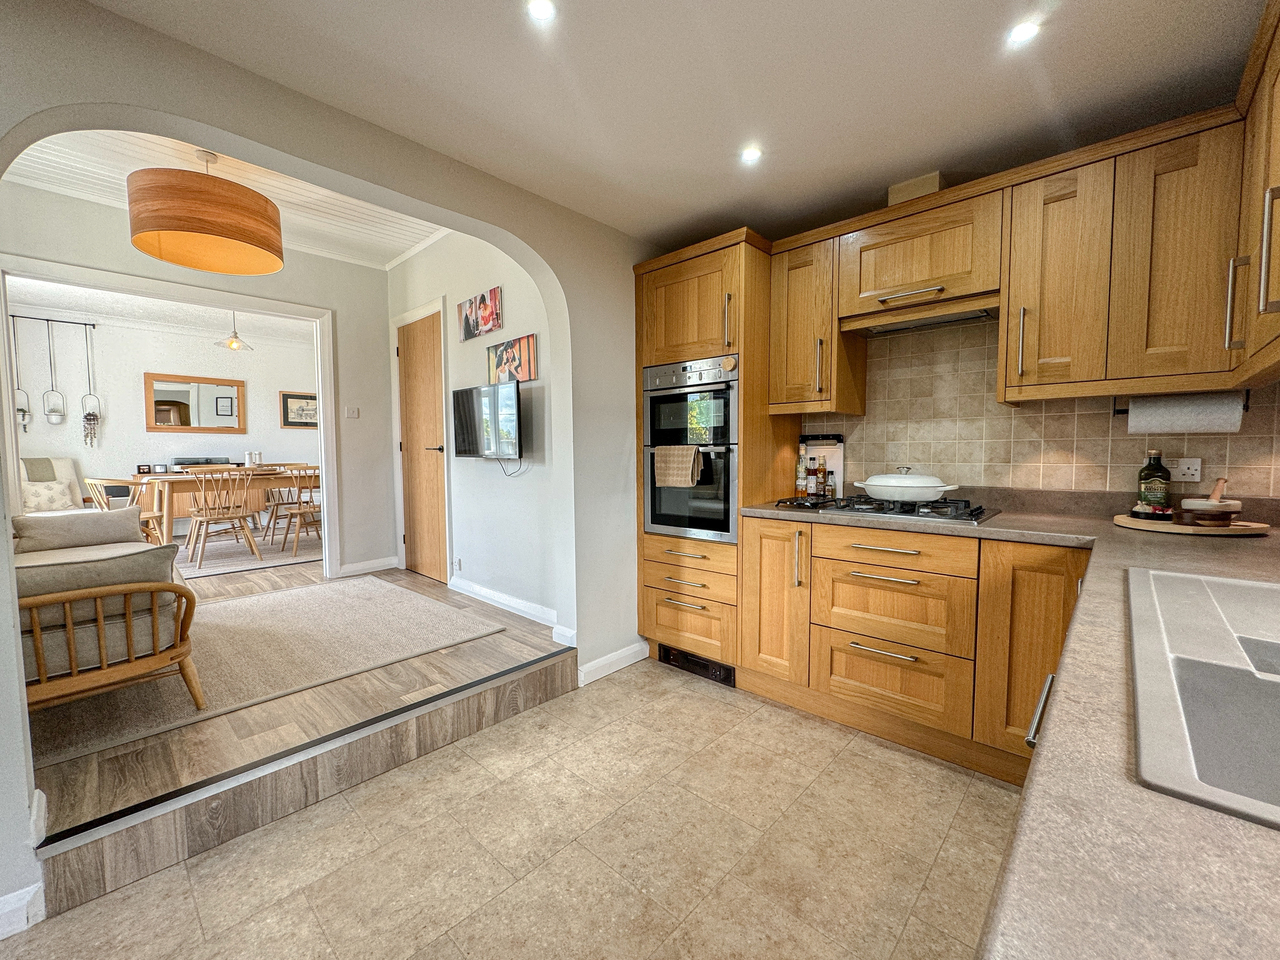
[(204, 222)]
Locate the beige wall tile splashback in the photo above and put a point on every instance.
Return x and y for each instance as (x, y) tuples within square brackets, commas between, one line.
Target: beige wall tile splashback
[(931, 405)]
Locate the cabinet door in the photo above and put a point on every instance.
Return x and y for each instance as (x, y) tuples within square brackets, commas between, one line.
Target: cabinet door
[(1026, 593), (802, 324), (689, 309), (1059, 275), (942, 254), (1259, 310), (775, 598), (1177, 208)]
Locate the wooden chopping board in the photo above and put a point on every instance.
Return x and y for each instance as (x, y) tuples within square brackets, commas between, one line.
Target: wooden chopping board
[(1238, 528)]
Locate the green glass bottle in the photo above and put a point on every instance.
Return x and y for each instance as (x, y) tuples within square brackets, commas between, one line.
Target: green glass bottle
[(1153, 482)]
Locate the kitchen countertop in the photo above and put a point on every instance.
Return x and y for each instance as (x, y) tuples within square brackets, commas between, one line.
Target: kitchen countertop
[(1101, 867)]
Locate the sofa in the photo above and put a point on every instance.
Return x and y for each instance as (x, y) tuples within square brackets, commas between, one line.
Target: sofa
[(100, 606)]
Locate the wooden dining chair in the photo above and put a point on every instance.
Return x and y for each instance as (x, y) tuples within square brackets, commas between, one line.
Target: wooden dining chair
[(278, 498), (303, 514), (138, 497), (220, 507)]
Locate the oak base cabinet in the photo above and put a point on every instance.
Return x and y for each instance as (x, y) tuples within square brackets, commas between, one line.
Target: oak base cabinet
[(1026, 595), (775, 597), (700, 626)]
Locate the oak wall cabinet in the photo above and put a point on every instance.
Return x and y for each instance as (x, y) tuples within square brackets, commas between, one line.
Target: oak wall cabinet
[(1027, 593), (813, 367), (950, 253), (687, 310), (1259, 277)]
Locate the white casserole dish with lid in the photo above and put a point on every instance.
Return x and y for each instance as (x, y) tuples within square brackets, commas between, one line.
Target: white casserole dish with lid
[(904, 485)]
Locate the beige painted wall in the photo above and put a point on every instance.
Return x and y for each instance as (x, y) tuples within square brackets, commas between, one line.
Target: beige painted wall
[(65, 64)]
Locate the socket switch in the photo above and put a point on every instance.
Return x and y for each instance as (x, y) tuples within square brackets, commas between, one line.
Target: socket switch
[(1185, 470)]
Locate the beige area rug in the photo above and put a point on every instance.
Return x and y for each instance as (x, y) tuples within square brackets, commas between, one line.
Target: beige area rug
[(251, 649), (227, 556)]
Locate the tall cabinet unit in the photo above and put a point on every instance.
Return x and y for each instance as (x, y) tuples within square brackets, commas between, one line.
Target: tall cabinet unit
[(709, 300)]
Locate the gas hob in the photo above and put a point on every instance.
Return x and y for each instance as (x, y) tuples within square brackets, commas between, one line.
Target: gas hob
[(935, 511)]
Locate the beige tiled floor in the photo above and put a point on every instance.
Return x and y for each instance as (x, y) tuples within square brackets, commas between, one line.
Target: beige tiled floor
[(650, 814)]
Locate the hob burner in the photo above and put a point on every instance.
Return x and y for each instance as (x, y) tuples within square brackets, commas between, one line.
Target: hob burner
[(957, 511)]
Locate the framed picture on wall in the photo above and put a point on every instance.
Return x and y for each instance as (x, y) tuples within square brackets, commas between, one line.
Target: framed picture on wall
[(224, 406), (299, 411), (514, 360), (479, 315)]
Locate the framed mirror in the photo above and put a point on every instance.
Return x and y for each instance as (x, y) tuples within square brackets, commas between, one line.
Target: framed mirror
[(180, 404)]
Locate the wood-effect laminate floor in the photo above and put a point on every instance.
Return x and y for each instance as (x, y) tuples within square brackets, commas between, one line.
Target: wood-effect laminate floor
[(88, 788), (648, 815)]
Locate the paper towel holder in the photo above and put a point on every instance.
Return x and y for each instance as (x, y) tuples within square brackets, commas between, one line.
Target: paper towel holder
[(1117, 412)]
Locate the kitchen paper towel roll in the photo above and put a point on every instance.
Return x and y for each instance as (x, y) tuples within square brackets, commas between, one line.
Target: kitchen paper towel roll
[(1186, 413)]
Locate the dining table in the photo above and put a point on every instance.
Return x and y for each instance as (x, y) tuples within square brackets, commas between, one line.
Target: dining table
[(168, 488)]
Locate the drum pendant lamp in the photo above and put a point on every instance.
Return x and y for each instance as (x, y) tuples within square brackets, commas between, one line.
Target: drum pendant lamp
[(204, 222)]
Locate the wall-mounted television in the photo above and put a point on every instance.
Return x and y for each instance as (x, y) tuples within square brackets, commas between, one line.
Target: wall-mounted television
[(486, 422)]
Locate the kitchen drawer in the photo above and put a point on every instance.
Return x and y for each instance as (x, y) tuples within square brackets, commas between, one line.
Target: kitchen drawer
[(955, 556), (698, 554), (721, 587), (699, 626), (930, 688), (926, 610)]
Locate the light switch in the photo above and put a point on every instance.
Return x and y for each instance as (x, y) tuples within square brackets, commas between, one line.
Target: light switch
[(353, 413)]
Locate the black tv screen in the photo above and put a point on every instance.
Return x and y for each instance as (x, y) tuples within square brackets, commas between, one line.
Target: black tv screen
[(486, 422)]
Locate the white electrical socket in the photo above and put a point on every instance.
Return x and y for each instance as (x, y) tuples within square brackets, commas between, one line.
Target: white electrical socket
[(1185, 470)]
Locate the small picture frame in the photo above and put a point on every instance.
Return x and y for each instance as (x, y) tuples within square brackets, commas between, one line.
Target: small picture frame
[(160, 468), (224, 406), (298, 411), (143, 468)]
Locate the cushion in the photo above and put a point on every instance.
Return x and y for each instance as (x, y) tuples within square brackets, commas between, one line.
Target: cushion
[(64, 468), (47, 495), (81, 529), (96, 565)]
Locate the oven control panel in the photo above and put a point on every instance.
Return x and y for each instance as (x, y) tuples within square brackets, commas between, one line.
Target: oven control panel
[(692, 373)]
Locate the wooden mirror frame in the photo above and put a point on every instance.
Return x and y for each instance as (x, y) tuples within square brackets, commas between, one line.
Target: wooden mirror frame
[(150, 380)]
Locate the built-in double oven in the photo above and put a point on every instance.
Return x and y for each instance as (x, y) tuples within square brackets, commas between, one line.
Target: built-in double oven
[(693, 404)]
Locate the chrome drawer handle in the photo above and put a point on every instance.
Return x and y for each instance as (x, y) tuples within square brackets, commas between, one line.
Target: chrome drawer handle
[(817, 367), (1231, 343), (911, 293), (691, 606), (884, 653), (872, 576), (1264, 261), (867, 546), (1022, 338), (695, 556), (687, 583), (727, 298), (1033, 734)]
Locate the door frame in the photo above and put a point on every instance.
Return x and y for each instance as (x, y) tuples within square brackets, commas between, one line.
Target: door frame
[(397, 455), (326, 377)]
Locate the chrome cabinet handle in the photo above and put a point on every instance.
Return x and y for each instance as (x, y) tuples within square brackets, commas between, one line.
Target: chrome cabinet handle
[(884, 653), (727, 298), (872, 576), (817, 368), (695, 556), (1033, 733), (911, 293), (1264, 260), (1230, 342), (867, 546), (1022, 336), (691, 606), (796, 558), (687, 583)]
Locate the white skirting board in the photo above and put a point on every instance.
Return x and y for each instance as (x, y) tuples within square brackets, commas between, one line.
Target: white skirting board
[(21, 909), (564, 635), (612, 663), (368, 566), (534, 611)]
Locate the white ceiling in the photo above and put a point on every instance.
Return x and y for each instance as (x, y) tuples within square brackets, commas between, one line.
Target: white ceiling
[(46, 300), (93, 165), (634, 113)]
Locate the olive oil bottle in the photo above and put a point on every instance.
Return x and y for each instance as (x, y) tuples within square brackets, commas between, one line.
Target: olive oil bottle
[(1153, 482)]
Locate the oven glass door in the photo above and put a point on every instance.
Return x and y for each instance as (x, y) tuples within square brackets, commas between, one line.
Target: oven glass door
[(704, 511), (694, 416)]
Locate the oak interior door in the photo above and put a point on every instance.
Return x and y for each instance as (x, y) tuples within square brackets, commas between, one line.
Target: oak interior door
[(418, 347)]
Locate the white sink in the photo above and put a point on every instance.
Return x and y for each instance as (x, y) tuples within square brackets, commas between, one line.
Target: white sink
[(1206, 671)]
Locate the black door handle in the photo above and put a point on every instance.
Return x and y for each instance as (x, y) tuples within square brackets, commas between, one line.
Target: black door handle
[(439, 449)]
